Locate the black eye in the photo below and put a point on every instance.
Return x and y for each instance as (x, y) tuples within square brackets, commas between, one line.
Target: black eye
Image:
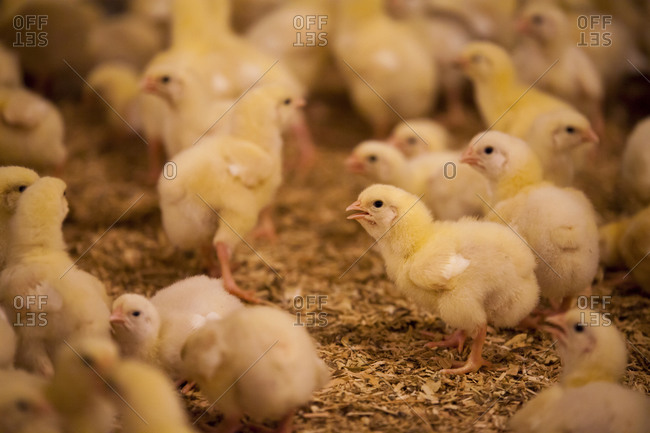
[(22, 188), (135, 313), (412, 140), (22, 405), (287, 101), (537, 19), (579, 327), (570, 129), (165, 79), (88, 360), (488, 150), (378, 203), (372, 158)]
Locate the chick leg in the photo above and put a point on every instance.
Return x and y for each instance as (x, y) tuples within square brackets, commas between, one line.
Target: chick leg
[(475, 360), (302, 136), (154, 150), (456, 339), (223, 253), (265, 226)]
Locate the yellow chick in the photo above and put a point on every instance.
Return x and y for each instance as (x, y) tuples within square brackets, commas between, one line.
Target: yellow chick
[(470, 273), (13, 182), (223, 183), (505, 103), (7, 342), (554, 137), (78, 389), (558, 224), (589, 397), (154, 330), (634, 246), (635, 165), (449, 188), (31, 131), (385, 65), (255, 362), (149, 403), (41, 286), (547, 39), (419, 136), (609, 236), (24, 407), (10, 73)]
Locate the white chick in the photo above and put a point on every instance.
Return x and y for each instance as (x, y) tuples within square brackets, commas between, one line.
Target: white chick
[(41, 284), (450, 189), (385, 65), (559, 224), (634, 246), (224, 182), (635, 165), (505, 103), (589, 397), (418, 136), (10, 73), (78, 389), (255, 362), (468, 272), (148, 403), (548, 38), (155, 330), (554, 136), (7, 342), (13, 182), (24, 407), (31, 130)]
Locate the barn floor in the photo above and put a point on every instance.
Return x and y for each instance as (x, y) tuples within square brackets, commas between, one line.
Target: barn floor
[(383, 378)]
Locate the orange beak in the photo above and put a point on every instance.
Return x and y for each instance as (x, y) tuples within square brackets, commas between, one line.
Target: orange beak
[(356, 206), (590, 136), (301, 102), (117, 316), (148, 85), (469, 157), (522, 25), (354, 165)]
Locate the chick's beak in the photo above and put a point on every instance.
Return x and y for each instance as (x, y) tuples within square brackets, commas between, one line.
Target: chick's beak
[(590, 136), (117, 316), (556, 326), (354, 165), (470, 157), (148, 84), (522, 26), (357, 206), (301, 102)]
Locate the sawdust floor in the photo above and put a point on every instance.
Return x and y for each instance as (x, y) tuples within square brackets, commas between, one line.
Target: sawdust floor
[(384, 379)]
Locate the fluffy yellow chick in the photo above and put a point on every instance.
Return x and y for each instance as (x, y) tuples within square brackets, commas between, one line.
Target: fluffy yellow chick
[(449, 188), (559, 224), (255, 362), (418, 136), (10, 73), (31, 130), (468, 272), (589, 397), (635, 165), (41, 285), (505, 103), (13, 182), (223, 183), (609, 236), (24, 407), (78, 389), (547, 38), (154, 330), (634, 246), (554, 137), (7, 342), (385, 65), (149, 402)]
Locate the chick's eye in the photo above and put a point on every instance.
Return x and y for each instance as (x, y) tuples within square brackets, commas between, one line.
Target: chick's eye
[(165, 79), (88, 360), (22, 188), (412, 140), (537, 19), (22, 405), (579, 327), (570, 129), (287, 101), (378, 203), (488, 150), (135, 313), (372, 158)]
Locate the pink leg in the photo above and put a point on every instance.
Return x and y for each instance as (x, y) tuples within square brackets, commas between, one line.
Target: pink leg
[(154, 149), (301, 135), (457, 339), (475, 360), (265, 226), (223, 253)]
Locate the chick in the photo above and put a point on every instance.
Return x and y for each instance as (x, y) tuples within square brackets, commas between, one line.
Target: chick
[(224, 182), (10, 74), (589, 397), (418, 136), (468, 272), (59, 300), (634, 246), (635, 165), (450, 189), (554, 136), (505, 103), (154, 330), (31, 131), (385, 65), (609, 236), (78, 389), (559, 224), (13, 182), (7, 342), (148, 403), (24, 407), (255, 362), (574, 78)]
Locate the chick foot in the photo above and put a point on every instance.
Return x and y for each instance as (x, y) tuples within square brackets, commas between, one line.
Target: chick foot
[(223, 254), (475, 360), (265, 227), (457, 339)]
